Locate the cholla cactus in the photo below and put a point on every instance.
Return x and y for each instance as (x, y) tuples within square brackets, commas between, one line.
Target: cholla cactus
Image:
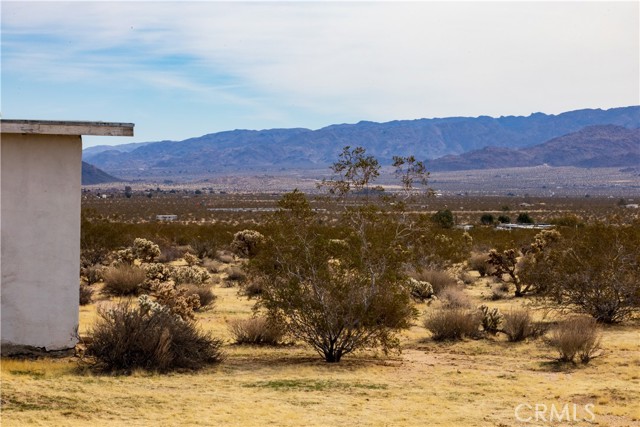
[(190, 259), (176, 300), (157, 271), (420, 290), (145, 250), (543, 239), (246, 242), (491, 319), (195, 275), (125, 256)]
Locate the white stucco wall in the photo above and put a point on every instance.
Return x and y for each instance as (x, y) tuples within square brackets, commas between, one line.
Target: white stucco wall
[(40, 239)]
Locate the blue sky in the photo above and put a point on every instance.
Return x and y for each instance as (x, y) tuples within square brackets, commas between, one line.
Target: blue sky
[(184, 69)]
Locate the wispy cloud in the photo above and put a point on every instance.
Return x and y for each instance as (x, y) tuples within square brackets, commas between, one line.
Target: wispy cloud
[(318, 62)]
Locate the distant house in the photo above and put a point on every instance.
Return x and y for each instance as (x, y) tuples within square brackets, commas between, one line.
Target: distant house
[(524, 226), (166, 217)]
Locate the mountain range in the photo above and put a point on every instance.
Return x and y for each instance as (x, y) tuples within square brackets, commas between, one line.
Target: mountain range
[(457, 143), (92, 175)]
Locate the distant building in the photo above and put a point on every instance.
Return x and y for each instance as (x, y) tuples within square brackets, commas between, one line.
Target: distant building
[(524, 226), (166, 217)]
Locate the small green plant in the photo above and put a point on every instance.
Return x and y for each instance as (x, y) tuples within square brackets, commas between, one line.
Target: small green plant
[(504, 219), (491, 319), (576, 336), (524, 218), (443, 218), (487, 219)]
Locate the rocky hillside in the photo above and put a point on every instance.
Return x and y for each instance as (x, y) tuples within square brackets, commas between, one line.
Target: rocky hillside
[(92, 175)]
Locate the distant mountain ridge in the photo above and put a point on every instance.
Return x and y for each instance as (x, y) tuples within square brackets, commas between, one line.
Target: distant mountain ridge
[(92, 175), (274, 149), (592, 146)]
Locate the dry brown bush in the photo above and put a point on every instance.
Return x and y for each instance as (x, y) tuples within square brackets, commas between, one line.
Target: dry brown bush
[(453, 324), (256, 330), (439, 279), (123, 280), (454, 297), (576, 336), (126, 338), (86, 294), (519, 325), (205, 294)]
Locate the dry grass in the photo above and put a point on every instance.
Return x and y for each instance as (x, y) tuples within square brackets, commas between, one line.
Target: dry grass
[(470, 383)]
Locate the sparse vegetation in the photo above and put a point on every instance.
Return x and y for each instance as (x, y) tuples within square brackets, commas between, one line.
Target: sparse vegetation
[(450, 324), (256, 330), (124, 279), (577, 336)]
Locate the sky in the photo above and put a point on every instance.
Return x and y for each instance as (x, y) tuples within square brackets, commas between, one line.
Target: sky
[(184, 69)]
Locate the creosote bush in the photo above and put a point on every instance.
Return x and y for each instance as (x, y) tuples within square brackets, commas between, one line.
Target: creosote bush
[(123, 279), (576, 336), (256, 330), (454, 297), (450, 324), (151, 337)]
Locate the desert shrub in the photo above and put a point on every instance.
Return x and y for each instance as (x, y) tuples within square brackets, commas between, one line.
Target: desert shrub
[(443, 218), (236, 274), (499, 291), (123, 279), (454, 297), (195, 275), (225, 257), (518, 325), (125, 256), (487, 219), (576, 336), (439, 248), (93, 274), (504, 219), (256, 330), (452, 324), (246, 243), (211, 265), (253, 287), (439, 280), (420, 291), (204, 248), (204, 293), (595, 271), (149, 337), (86, 294), (524, 218), (570, 220), (480, 263), (491, 318), (170, 254)]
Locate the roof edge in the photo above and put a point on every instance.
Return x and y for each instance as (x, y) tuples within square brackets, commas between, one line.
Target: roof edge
[(56, 127)]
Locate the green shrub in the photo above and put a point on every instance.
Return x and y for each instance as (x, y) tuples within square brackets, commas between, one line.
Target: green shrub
[(123, 279), (524, 218), (487, 219), (256, 330), (453, 324), (504, 219), (149, 337), (576, 336), (443, 218), (480, 263), (491, 319)]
